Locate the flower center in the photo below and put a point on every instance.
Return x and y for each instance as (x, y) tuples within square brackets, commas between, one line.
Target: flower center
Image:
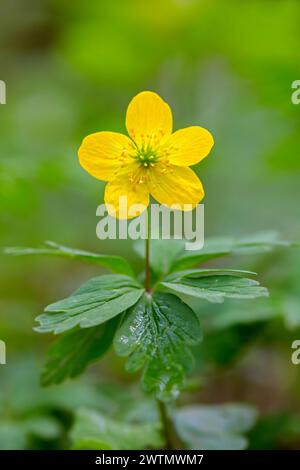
[(146, 157)]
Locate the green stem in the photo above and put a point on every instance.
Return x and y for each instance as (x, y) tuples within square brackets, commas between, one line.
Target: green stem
[(172, 440), (147, 263)]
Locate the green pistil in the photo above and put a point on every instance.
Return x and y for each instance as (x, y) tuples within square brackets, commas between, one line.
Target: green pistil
[(147, 157)]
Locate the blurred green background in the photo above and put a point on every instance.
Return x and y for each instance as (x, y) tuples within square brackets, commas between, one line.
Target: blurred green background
[(70, 69)]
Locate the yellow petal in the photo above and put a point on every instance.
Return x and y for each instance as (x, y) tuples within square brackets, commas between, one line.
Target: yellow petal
[(179, 186), (189, 146), (127, 195), (148, 119), (102, 154)]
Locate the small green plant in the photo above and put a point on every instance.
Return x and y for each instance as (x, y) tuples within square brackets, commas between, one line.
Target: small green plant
[(147, 318)]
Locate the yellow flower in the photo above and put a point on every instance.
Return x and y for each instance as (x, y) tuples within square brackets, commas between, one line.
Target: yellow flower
[(153, 160)]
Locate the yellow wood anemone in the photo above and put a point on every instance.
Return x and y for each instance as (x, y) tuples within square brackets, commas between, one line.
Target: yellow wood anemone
[(152, 160)]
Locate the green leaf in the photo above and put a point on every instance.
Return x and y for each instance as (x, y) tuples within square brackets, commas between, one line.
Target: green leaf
[(215, 427), (73, 352), (93, 430), (116, 264), (214, 288), (224, 246), (94, 303), (156, 334), (197, 273)]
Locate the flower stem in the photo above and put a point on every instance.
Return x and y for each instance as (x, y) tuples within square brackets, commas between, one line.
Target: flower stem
[(172, 440), (147, 258)]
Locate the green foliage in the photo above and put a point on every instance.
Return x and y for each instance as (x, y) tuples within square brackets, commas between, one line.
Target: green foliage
[(73, 352), (215, 288), (244, 65), (95, 302), (170, 255), (93, 430), (157, 330), (116, 264), (215, 427), (206, 272), (224, 246), (156, 334)]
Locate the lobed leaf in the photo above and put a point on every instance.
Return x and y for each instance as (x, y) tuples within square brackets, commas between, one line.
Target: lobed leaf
[(94, 303), (156, 334), (73, 352), (206, 272), (116, 264), (214, 288)]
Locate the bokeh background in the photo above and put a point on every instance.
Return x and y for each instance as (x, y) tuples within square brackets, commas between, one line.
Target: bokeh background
[(71, 68)]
